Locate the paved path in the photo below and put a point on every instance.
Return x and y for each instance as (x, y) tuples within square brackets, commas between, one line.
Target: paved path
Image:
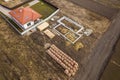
[(5, 10), (96, 7), (101, 53)]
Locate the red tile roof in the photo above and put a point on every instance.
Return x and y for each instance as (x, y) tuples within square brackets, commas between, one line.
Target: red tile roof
[(24, 15)]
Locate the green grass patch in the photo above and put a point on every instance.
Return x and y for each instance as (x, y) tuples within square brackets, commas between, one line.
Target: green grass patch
[(44, 9)]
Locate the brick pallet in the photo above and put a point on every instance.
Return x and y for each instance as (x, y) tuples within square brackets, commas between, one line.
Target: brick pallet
[(70, 65)]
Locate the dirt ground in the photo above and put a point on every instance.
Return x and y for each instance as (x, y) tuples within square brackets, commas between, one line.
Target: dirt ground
[(111, 3), (24, 57), (12, 3), (88, 19), (112, 70), (85, 17)]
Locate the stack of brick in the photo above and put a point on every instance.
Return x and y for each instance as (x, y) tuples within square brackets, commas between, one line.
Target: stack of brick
[(64, 60)]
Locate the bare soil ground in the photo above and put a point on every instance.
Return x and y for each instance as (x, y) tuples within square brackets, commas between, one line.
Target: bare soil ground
[(81, 15), (112, 70), (89, 20), (96, 7), (111, 3), (12, 3), (24, 57)]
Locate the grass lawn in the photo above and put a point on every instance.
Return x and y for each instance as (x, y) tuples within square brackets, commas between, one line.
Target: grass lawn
[(44, 9)]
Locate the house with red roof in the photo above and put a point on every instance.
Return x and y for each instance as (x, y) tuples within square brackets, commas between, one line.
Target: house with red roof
[(25, 17)]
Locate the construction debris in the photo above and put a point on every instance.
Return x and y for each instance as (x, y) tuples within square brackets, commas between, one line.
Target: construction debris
[(70, 65)]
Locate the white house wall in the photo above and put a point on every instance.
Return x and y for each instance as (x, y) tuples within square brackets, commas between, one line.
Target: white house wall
[(25, 25)]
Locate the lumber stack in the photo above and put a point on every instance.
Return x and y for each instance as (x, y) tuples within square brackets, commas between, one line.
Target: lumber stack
[(64, 60)]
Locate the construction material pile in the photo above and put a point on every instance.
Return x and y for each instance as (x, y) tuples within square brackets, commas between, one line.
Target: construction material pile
[(64, 60)]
